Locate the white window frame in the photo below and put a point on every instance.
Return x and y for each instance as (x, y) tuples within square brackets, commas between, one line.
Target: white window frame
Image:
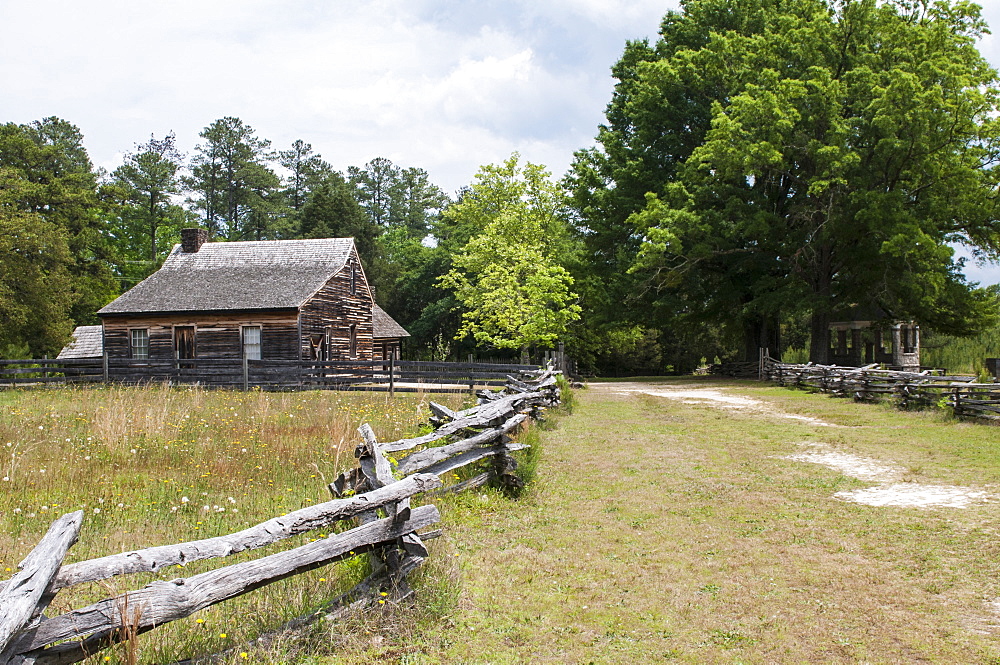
[(248, 346), (138, 351)]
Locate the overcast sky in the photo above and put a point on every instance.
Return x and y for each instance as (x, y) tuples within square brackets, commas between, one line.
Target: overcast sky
[(445, 86)]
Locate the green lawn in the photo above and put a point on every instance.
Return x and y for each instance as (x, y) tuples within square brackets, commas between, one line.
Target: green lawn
[(658, 530)]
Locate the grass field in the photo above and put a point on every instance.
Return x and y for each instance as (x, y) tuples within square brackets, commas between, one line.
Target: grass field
[(655, 530), (164, 465), (659, 531)]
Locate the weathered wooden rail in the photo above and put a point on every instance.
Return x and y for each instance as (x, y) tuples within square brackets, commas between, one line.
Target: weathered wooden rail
[(389, 375), (909, 389), (376, 495)]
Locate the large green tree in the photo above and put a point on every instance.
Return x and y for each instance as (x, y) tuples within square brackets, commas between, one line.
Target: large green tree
[(57, 184), (773, 157), (509, 279), (36, 285)]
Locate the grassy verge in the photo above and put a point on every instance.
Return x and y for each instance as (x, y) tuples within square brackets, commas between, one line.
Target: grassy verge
[(662, 531)]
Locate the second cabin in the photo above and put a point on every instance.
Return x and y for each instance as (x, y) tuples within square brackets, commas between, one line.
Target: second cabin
[(260, 300)]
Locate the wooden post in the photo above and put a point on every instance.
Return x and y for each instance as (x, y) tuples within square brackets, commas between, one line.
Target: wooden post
[(246, 374), (392, 374), (105, 366), (24, 596)]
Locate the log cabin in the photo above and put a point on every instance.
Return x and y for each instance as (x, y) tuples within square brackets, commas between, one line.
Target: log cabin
[(263, 300)]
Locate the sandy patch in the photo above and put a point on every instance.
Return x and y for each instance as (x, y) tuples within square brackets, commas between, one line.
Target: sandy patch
[(916, 496), (862, 468), (710, 397), (891, 492)]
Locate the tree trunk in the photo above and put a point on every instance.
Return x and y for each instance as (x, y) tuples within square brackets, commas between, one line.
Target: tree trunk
[(761, 332), (819, 340)]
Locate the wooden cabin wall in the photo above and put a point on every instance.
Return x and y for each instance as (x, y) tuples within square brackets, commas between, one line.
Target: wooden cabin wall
[(333, 305), (216, 335)]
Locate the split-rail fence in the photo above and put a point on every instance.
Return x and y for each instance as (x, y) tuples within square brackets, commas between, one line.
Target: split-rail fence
[(376, 496), (379, 375), (928, 388)]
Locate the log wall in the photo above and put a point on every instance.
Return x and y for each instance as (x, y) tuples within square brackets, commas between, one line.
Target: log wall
[(331, 312), (217, 336)]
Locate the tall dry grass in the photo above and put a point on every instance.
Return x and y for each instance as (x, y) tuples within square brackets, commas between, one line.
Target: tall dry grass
[(161, 465)]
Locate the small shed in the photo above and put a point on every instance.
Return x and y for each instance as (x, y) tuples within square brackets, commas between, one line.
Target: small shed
[(279, 299), (388, 335), (86, 343), (874, 337)]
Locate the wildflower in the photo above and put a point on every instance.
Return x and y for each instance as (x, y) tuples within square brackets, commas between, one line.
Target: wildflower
[(244, 655), (97, 511), (222, 635), (41, 427), (231, 499), (184, 499)]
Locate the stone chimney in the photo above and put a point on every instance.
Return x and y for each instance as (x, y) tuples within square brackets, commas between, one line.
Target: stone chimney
[(193, 239)]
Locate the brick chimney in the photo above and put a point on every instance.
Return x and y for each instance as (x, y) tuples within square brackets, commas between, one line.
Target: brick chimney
[(193, 239)]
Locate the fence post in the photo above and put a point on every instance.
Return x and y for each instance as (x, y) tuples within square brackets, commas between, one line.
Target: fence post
[(105, 365), (392, 374), (246, 374)]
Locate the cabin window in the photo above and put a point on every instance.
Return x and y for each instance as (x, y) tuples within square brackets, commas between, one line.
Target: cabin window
[(354, 340), (140, 344), (354, 280), (251, 342)]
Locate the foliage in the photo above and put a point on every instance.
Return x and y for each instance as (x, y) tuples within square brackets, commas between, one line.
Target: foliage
[(513, 291), (768, 161), (36, 292), (141, 191), (332, 212), (49, 178), (235, 191)]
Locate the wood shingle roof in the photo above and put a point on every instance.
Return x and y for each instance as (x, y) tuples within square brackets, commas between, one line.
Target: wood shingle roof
[(252, 275)]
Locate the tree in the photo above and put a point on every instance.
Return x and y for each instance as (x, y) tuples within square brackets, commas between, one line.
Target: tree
[(36, 286), (768, 159), (56, 183), (419, 202), (236, 190), (306, 171), (377, 186), (332, 212), (143, 187), (508, 279)]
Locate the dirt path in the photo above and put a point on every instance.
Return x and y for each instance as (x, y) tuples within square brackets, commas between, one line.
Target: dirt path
[(673, 522)]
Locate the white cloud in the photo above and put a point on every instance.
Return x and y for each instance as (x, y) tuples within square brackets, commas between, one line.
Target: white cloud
[(446, 86)]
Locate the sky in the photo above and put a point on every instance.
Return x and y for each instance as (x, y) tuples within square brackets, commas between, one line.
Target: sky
[(446, 86)]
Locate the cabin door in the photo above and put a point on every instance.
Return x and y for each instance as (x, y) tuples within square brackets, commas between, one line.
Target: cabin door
[(184, 342)]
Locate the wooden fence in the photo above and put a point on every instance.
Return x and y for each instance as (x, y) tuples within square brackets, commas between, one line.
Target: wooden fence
[(391, 375), (375, 495), (910, 389)]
